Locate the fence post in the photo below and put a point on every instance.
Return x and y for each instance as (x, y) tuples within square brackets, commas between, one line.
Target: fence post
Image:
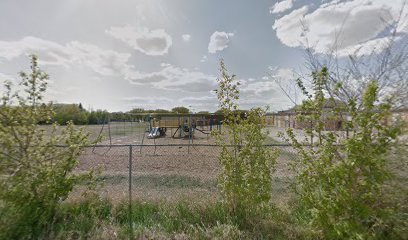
[(130, 193)]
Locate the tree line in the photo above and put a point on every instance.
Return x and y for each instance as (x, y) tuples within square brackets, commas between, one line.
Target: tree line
[(64, 113)]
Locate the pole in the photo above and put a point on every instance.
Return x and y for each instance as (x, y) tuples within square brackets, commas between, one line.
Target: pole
[(189, 134), (130, 193), (109, 131)]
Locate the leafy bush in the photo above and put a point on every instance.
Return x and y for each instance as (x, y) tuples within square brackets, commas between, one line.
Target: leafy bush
[(245, 181), (36, 174), (340, 181)]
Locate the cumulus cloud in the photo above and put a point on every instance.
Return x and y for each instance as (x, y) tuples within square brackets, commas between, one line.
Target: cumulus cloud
[(104, 62), (171, 77), (348, 26), (219, 41), (186, 37), (107, 63), (150, 42), (281, 6)]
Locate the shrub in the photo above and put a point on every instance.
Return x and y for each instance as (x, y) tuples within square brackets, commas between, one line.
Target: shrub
[(340, 181), (245, 180), (36, 174)]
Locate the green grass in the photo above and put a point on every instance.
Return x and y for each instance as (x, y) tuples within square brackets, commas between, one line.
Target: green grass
[(98, 219), (159, 181)]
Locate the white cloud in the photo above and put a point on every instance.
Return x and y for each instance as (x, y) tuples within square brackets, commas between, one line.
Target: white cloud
[(219, 41), (175, 78), (289, 28), (108, 63), (204, 58), (4, 77), (104, 62), (265, 91), (258, 88), (372, 46), (279, 73), (150, 42), (186, 37), (346, 25), (281, 6), (13, 49)]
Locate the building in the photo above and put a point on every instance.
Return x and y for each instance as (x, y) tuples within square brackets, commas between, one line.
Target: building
[(292, 117)]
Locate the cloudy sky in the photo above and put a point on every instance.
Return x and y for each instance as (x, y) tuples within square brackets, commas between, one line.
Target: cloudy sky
[(118, 55)]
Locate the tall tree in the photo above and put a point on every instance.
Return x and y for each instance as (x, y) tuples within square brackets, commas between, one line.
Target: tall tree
[(180, 110)]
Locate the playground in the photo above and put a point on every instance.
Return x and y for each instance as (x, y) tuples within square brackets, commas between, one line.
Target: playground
[(159, 129)]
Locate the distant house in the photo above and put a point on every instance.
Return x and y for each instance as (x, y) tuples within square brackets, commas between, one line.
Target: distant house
[(291, 117), (333, 119)]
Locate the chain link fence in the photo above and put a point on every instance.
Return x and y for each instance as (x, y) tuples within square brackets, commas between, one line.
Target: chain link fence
[(179, 172), (167, 172)]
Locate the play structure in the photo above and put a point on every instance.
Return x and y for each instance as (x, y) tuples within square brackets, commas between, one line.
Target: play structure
[(136, 127), (183, 125)]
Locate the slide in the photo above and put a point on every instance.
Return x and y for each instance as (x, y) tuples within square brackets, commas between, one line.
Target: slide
[(154, 133)]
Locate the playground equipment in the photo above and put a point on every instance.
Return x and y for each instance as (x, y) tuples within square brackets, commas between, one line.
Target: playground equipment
[(186, 124), (156, 132), (135, 128)]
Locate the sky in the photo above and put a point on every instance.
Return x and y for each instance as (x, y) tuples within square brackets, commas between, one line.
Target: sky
[(119, 55)]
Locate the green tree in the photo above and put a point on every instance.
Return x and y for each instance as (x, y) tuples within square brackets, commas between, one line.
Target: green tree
[(137, 110), (98, 117), (245, 179), (36, 174), (339, 182), (64, 113), (180, 110), (160, 111)]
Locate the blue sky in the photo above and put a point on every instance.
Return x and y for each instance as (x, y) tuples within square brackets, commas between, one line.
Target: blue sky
[(118, 55)]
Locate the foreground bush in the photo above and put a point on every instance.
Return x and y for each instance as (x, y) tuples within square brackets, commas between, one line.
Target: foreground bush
[(245, 180), (36, 174), (340, 182)]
